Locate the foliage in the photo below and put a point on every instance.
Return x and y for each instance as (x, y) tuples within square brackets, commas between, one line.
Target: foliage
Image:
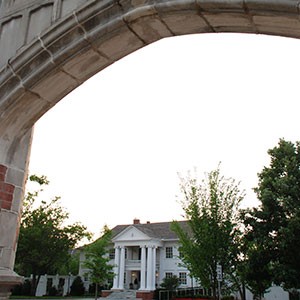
[(71, 266), (228, 298), (170, 283), (77, 287), (45, 242), (22, 289), (212, 236), (97, 260), (53, 291), (273, 228)]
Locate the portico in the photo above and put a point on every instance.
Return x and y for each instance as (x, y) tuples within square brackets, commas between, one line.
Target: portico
[(135, 254)]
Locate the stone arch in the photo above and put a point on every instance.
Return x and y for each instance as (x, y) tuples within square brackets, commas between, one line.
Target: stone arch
[(58, 44)]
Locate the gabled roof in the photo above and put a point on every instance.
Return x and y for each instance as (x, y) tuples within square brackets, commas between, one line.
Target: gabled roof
[(160, 230)]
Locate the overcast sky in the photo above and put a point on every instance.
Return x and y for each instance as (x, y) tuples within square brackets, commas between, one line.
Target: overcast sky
[(113, 147)]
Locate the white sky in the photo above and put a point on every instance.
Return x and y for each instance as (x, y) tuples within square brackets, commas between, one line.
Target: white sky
[(113, 147)]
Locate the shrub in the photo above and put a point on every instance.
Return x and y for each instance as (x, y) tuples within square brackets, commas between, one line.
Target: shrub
[(228, 298), (77, 287), (22, 289), (53, 291), (170, 283)]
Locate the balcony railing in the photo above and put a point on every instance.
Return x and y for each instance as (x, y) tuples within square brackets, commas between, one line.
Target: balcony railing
[(133, 263)]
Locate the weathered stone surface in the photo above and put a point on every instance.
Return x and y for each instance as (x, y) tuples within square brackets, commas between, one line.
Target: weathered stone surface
[(284, 25), (85, 64), (39, 20), (187, 23), (149, 28), (9, 46), (8, 224), (119, 43), (229, 22), (56, 85)]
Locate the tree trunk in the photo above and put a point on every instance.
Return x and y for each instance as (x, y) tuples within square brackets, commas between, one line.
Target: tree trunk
[(96, 291), (214, 290), (34, 284), (242, 291)]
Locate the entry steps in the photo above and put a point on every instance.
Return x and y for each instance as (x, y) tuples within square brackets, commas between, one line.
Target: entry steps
[(122, 295)]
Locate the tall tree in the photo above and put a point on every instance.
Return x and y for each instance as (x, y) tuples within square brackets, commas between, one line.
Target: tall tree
[(97, 260), (274, 227), (211, 208), (45, 242)]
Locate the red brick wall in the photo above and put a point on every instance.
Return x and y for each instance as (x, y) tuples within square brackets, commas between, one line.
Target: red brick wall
[(6, 190), (145, 295), (105, 293)]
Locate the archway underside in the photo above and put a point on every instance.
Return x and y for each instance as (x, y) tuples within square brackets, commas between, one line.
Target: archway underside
[(84, 42), (100, 33)]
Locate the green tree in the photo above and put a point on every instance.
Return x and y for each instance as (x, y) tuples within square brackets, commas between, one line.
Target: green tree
[(45, 242), (71, 266), (211, 208), (97, 260), (273, 229), (170, 283), (77, 287)]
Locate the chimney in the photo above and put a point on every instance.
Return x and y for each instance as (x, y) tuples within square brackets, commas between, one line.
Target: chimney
[(136, 221)]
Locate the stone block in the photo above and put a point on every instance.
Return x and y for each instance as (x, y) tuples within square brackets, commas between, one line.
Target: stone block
[(66, 44), (229, 22), (221, 5), (15, 177), (17, 113), (55, 86), (185, 23), (9, 45), (38, 63), (39, 20), (181, 6), (67, 6), (149, 28), (18, 200), (119, 43), (8, 228), (275, 6), (104, 17), (85, 64), (7, 258), (278, 25)]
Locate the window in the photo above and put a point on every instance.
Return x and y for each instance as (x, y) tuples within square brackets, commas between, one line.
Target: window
[(169, 274), (111, 253), (182, 278), (169, 252)]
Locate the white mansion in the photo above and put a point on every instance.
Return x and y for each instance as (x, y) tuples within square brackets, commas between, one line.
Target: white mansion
[(144, 254)]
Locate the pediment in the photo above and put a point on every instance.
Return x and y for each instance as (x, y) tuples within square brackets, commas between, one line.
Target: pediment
[(131, 234)]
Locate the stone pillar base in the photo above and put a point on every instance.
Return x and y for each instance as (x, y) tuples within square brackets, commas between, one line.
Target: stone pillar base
[(8, 279)]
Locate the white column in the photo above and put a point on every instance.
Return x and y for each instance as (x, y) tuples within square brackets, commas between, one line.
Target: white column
[(122, 269), (149, 268), (143, 269), (116, 268), (153, 268)]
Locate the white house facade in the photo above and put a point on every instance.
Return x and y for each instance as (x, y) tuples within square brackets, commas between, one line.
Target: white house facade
[(144, 254)]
